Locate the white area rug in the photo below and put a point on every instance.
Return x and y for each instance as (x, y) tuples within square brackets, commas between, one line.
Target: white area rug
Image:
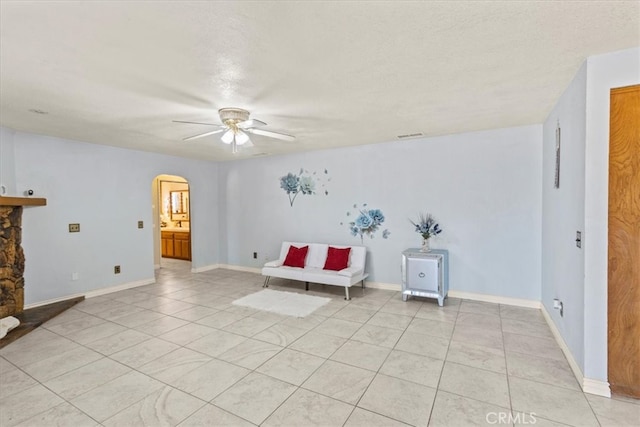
[(287, 303)]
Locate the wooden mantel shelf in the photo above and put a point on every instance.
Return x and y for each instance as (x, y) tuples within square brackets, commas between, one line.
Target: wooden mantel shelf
[(22, 201)]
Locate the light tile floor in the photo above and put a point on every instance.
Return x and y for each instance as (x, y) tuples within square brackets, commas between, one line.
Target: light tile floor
[(179, 353)]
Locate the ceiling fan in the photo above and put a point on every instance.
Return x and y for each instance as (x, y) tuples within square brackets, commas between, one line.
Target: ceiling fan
[(236, 126)]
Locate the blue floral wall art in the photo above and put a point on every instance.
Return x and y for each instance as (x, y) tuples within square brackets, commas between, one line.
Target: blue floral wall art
[(304, 182), (367, 222)]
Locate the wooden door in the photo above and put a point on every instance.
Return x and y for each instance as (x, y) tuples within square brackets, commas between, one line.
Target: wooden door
[(624, 242)]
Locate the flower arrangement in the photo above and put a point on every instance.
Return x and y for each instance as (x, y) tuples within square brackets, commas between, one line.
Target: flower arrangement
[(367, 222), (294, 184), (427, 226)]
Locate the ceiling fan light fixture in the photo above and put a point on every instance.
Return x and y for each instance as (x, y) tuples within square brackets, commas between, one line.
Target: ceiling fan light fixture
[(233, 115), (227, 137), (237, 126), (241, 137)]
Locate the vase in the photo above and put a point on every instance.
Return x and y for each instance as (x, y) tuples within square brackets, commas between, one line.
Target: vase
[(425, 246)]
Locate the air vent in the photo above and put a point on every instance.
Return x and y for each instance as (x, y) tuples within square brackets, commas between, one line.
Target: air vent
[(410, 135), (260, 154)]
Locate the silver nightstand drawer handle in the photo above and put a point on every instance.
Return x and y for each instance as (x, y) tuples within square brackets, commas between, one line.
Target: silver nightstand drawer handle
[(421, 275)]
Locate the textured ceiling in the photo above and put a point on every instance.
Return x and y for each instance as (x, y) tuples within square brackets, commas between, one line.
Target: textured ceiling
[(331, 73)]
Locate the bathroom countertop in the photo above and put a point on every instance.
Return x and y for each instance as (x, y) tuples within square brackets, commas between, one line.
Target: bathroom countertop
[(175, 229)]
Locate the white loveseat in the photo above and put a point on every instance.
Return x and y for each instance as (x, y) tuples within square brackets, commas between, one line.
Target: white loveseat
[(313, 269)]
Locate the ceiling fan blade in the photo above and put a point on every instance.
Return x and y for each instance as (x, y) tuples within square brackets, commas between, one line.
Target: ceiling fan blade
[(197, 123), (201, 135), (272, 134), (251, 123)]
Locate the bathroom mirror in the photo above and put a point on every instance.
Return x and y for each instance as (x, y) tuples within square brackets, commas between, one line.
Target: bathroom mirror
[(179, 201)]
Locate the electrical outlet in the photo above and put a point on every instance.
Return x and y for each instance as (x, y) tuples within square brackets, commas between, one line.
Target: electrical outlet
[(140, 224), (255, 255), (558, 305), (116, 269), (74, 228), (561, 309), (74, 276)]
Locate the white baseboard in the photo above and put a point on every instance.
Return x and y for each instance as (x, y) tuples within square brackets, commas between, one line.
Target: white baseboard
[(519, 302), (51, 301), (116, 288), (94, 293), (464, 295), (588, 385), (563, 346), (205, 268), (241, 268), (597, 387), (398, 287), (381, 285), (367, 283)]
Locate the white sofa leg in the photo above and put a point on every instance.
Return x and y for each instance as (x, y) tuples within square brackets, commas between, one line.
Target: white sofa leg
[(346, 292)]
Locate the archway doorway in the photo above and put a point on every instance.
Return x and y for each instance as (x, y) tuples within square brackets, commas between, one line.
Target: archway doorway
[(172, 221)]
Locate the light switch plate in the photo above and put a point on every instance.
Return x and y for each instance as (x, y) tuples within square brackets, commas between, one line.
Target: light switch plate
[(578, 239)]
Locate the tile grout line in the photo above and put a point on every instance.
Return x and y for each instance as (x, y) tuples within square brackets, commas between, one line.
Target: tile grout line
[(506, 364), (444, 362)]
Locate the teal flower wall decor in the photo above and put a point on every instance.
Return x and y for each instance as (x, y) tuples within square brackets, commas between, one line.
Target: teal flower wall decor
[(367, 222), (304, 182)]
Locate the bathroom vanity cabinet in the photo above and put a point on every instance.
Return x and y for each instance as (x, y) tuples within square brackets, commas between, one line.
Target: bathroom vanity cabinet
[(176, 244)]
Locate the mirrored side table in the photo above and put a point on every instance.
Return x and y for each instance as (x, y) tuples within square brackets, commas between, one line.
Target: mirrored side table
[(425, 274)]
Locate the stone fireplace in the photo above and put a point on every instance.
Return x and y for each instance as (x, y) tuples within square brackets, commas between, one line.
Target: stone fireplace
[(11, 261), (11, 253)]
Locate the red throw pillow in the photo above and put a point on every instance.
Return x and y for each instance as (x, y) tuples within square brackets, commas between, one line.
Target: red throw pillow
[(337, 259), (296, 256)]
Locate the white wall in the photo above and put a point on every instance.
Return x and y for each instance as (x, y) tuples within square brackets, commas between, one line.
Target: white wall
[(563, 214), (579, 277), (483, 187), (7, 158), (612, 70), (107, 190)]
